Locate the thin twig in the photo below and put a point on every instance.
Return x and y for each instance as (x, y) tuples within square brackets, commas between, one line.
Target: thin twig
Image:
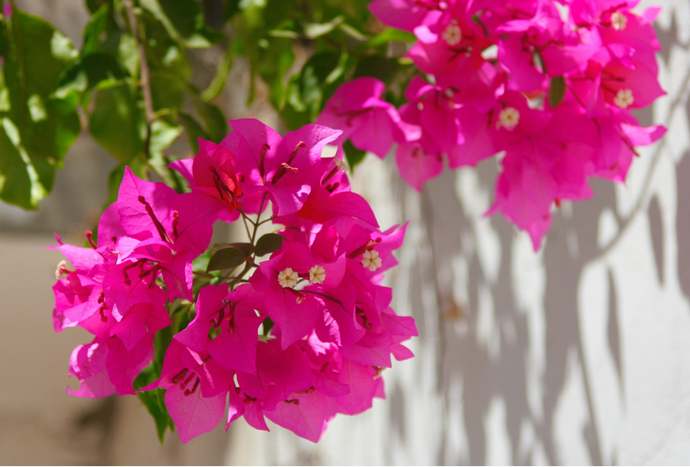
[(144, 74)]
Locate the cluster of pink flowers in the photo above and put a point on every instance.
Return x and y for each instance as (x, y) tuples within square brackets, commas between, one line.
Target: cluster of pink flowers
[(549, 84), (303, 338)]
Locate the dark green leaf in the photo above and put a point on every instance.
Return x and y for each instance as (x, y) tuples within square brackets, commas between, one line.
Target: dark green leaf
[(117, 122), (184, 21), (277, 11), (167, 90), (232, 7), (267, 325), (155, 403), (227, 258), (268, 244), (88, 72), (277, 61), (378, 67), (194, 130), (94, 5), (353, 155), (216, 124), (246, 248), (556, 91)]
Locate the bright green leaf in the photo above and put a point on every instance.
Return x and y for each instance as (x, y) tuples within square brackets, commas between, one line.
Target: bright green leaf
[(316, 30), (392, 35)]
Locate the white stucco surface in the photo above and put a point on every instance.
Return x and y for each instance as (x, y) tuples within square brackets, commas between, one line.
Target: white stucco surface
[(577, 354)]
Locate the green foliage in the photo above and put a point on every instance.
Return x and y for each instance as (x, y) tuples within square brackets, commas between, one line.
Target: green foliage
[(154, 400), (268, 244), (38, 127), (131, 80), (556, 91), (226, 258)]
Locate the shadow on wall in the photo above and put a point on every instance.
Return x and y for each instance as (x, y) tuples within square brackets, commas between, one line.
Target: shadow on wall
[(496, 364)]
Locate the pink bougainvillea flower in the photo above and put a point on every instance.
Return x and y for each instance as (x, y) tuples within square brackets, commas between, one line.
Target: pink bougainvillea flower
[(283, 168), (214, 174), (371, 123), (409, 14)]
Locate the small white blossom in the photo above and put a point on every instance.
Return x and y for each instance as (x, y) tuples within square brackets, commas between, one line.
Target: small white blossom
[(371, 260), (288, 278), (452, 35), (62, 270), (619, 21), (317, 274), (342, 166), (509, 118), (624, 98)]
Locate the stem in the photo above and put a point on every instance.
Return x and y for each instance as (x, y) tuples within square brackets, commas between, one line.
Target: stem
[(258, 219), (144, 75), (252, 238)]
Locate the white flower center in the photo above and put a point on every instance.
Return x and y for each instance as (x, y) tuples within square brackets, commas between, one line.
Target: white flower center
[(452, 35), (619, 21), (317, 274), (624, 98), (288, 278), (62, 270), (371, 260), (342, 166), (509, 118)]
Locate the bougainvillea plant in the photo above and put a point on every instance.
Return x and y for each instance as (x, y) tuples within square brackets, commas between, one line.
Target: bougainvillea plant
[(296, 337), (294, 325), (549, 85)]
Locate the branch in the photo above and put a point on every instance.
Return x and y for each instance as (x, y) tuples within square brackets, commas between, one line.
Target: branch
[(144, 75)]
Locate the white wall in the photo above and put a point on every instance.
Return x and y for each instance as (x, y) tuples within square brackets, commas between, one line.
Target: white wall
[(574, 355)]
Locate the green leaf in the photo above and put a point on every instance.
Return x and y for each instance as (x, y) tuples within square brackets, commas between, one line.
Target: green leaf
[(88, 72), (556, 91), (226, 258), (216, 124), (40, 125), (353, 155), (246, 248), (194, 130), (268, 244), (218, 83), (391, 35), (352, 32), (155, 403), (117, 122), (184, 21), (167, 91), (96, 28), (277, 60), (316, 30), (232, 7), (155, 400), (16, 173), (378, 67)]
